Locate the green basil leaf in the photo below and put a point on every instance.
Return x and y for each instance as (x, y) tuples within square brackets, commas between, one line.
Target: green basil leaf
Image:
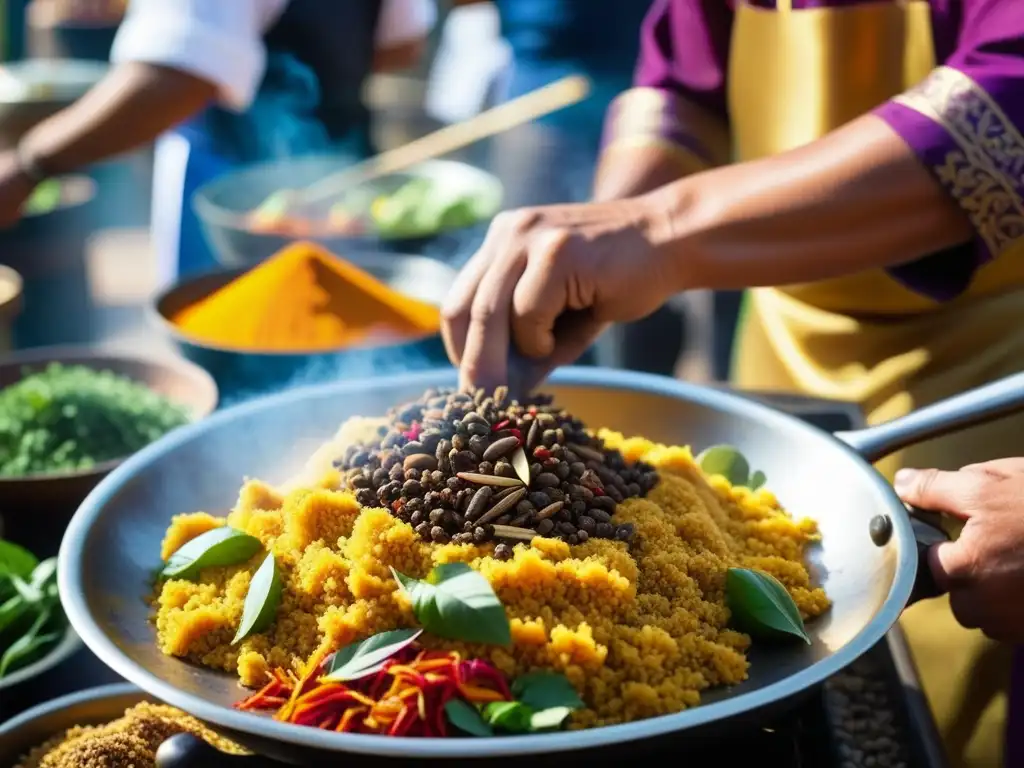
[(761, 605), (757, 480), (544, 690), (725, 460), (11, 611), (29, 646), (361, 659), (16, 560), (457, 603), (511, 716), (216, 548), (261, 601), (549, 719), (466, 718)]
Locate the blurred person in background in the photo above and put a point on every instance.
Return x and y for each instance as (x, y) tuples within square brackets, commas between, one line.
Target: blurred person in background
[(880, 182), (222, 84)]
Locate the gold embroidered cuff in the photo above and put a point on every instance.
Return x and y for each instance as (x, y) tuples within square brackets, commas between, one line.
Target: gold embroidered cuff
[(964, 137), (653, 116)]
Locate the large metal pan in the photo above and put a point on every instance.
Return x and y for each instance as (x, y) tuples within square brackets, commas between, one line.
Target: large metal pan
[(112, 544)]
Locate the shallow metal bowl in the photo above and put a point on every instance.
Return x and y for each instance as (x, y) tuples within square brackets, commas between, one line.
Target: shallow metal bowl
[(113, 544), (224, 204), (94, 706), (240, 373), (178, 380)]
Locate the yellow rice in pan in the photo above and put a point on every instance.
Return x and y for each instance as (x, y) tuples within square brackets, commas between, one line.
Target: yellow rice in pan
[(639, 632)]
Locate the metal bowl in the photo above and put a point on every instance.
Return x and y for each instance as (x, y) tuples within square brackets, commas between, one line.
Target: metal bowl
[(94, 706), (178, 380), (240, 374), (33, 90), (223, 205)]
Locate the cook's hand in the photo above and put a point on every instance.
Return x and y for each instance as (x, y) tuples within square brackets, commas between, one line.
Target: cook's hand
[(584, 266), (15, 188), (983, 570)]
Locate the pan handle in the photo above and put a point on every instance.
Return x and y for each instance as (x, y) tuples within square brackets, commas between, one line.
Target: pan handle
[(928, 531), (968, 409)]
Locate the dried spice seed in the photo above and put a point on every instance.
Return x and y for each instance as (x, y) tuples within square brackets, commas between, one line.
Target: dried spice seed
[(499, 509), (549, 510), (434, 457)]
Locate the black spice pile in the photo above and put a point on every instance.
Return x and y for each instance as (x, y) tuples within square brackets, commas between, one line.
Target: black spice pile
[(476, 467)]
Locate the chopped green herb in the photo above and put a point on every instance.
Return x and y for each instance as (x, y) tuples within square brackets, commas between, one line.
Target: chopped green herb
[(760, 605), (214, 549), (457, 603), (71, 418), (261, 601)]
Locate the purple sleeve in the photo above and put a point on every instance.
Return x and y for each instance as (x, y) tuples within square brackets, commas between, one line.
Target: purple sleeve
[(679, 93), (964, 122)]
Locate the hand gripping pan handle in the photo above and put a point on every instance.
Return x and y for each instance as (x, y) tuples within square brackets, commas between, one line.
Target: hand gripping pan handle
[(968, 409)]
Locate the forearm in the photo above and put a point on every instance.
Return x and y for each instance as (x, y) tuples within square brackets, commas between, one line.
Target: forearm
[(130, 107), (628, 171), (857, 199)]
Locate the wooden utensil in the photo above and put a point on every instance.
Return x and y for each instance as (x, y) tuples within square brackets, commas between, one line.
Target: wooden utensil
[(543, 101)]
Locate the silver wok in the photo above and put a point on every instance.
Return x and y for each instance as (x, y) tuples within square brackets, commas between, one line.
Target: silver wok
[(113, 542)]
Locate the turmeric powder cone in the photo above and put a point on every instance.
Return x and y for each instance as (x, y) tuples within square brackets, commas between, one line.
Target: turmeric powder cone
[(305, 299)]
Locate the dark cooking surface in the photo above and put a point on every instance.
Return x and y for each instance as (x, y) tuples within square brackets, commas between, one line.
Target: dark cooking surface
[(814, 735)]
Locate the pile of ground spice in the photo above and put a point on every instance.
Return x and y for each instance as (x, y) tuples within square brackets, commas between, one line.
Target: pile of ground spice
[(131, 741), (467, 468), (305, 299)]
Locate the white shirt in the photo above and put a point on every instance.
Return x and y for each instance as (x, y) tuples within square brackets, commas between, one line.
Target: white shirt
[(222, 40)]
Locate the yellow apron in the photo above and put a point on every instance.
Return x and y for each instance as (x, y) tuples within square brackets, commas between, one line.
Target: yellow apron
[(795, 75)]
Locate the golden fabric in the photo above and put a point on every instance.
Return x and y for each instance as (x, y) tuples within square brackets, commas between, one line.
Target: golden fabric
[(795, 75)]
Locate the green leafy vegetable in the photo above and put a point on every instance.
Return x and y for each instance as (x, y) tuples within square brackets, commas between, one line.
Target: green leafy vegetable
[(511, 716), (466, 718), (727, 461), (71, 418), (42, 584), (361, 659), (261, 600), (761, 605), (13, 609), (457, 603), (15, 560), (214, 549), (31, 619), (31, 645)]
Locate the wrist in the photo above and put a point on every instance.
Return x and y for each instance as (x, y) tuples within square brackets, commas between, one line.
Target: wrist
[(674, 221)]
